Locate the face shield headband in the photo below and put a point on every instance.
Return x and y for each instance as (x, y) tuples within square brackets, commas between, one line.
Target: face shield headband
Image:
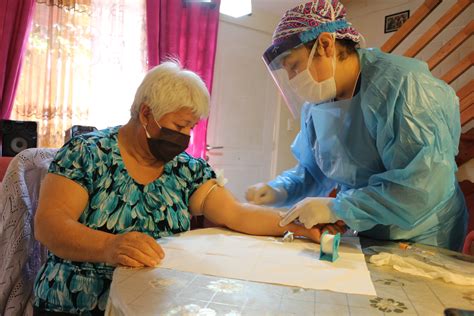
[(293, 41)]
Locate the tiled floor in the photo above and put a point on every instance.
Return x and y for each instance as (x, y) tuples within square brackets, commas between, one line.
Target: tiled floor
[(182, 293)]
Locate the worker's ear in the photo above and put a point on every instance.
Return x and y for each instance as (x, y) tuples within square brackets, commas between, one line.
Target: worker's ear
[(326, 45)]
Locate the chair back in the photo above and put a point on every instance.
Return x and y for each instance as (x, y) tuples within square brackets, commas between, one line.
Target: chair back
[(21, 255)]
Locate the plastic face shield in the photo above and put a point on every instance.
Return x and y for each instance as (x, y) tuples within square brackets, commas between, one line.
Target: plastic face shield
[(275, 59)]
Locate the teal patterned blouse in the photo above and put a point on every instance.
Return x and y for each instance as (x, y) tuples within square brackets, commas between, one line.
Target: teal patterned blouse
[(117, 204)]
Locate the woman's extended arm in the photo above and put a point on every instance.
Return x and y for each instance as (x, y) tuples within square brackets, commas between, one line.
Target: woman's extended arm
[(220, 207), (61, 203)]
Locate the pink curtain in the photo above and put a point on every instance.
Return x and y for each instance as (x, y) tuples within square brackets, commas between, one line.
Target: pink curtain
[(187, 31), (15, 20)]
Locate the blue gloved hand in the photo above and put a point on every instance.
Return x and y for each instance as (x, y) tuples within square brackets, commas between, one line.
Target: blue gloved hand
[(310, 212), (263, 194)]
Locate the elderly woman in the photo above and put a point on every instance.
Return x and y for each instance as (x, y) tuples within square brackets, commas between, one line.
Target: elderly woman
[(109, 194)]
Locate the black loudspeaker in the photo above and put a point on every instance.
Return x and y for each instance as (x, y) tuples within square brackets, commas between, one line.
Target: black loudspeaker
[(17, 136), (77, 130)]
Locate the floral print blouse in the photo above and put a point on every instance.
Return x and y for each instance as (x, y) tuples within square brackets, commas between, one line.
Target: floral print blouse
[(117, 204)]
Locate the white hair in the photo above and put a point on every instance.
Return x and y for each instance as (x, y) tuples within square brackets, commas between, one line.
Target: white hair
[(168, 88)]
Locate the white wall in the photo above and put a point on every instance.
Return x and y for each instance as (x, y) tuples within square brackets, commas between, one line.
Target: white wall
[(243, 108), (285, 127)]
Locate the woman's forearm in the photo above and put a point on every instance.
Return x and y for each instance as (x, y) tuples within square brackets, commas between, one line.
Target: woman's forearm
[(71, 240), (257, 220), (220, 207), (60, 205)]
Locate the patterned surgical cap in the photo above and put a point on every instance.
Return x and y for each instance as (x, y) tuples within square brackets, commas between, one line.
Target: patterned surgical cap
[(310, 19)]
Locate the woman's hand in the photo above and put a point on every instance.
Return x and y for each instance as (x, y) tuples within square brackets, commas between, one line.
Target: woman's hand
[(334, 228), (315, 233), (133, 249)]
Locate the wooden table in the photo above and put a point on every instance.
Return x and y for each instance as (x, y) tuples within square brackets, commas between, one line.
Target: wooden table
[(169, 292)]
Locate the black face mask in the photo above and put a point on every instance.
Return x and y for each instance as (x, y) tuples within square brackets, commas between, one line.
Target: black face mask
[(168, 145)]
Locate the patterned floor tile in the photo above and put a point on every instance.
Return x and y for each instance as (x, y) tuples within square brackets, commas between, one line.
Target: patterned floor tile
[(170, 307), (300, 294), (197, 293), (225, 310), (331, 310), (355, 300), (182, 293), (417, 289), (258, 312), (263, 288), (428, 307), (204, 280), (395, 292), (454, 296), (364, 311), (270, 303), (237, 299), (331, 298), (392, 305), (297, 307), (132, 292)]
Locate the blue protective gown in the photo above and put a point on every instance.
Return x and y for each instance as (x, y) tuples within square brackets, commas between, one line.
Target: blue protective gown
[(389, 150)]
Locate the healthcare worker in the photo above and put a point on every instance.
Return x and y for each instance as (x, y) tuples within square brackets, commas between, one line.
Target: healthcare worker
[(378, 128)]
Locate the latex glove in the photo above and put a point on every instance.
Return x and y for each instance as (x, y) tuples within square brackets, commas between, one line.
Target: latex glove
[(262, 193), (310, 212)]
